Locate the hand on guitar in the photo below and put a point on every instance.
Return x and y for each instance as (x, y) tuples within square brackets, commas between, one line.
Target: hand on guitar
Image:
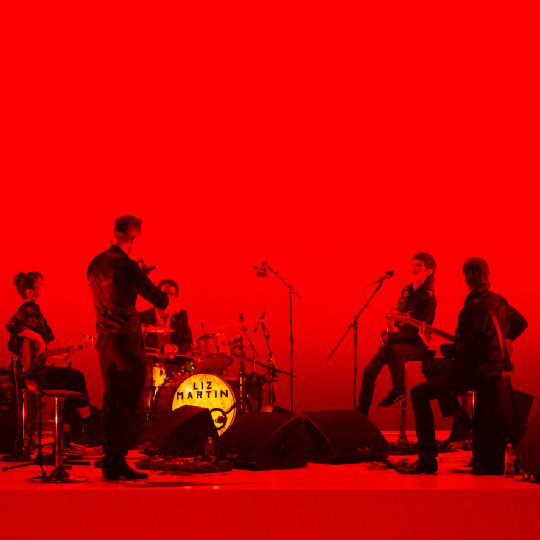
[(64, 356)]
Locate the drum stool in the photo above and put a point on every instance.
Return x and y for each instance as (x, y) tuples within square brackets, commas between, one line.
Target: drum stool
[(402, 405), (60, 473)]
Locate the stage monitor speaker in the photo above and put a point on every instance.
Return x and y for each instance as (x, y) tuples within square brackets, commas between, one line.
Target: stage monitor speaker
[(343, 436), (181, 432), (528, 450), (265, 441)]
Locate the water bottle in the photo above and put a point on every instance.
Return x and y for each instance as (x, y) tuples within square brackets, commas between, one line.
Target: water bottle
[(509, 458), (210, 450)]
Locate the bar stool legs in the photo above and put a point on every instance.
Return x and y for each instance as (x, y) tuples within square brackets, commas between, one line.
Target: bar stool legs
[(402, 437), (60, 473)]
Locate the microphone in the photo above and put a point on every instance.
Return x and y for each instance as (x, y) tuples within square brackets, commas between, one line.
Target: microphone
[(261, 271), (260, 317), (145, 269), (388, 275)]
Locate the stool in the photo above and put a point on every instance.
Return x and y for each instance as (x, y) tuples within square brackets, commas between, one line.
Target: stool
[(60, 473), (402, 437)]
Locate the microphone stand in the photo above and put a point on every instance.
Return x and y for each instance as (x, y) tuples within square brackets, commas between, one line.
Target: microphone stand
[(291, 338), (354, 326)]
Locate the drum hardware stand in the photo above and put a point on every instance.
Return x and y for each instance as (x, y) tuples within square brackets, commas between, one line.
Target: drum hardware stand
[(354, 326), (242, 372), (262, 271), (253, 362)]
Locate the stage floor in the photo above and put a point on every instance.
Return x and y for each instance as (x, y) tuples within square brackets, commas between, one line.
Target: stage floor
[(317, 501)]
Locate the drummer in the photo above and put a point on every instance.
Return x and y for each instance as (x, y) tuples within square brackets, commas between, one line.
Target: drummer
[(173, 317)]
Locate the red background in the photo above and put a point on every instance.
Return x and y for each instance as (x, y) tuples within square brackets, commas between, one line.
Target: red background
[(333, 142)]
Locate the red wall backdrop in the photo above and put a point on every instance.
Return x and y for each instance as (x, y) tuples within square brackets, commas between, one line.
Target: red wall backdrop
[(331, 142)]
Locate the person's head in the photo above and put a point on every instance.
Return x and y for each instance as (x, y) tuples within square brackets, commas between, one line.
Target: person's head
[(424, 268), (170, 287), (126, 231), (476, 272), (29, 286)]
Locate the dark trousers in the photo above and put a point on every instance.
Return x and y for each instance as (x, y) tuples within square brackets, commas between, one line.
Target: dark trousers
[(449, 404), (490, 427), (441, 387), (123, 371), (395, 356)]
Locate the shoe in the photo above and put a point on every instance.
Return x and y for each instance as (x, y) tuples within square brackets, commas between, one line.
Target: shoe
[(362, 410), (118, 468), (425, 465), (392, 398), (460, 430)]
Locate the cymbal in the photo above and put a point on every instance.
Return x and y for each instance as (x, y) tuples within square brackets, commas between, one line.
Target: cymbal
[(242, 323), (149, 329)]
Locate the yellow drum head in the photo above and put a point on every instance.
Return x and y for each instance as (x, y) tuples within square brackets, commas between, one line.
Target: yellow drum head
[(208, 391)]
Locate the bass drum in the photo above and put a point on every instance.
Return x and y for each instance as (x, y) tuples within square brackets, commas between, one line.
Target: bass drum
[(200, 390)]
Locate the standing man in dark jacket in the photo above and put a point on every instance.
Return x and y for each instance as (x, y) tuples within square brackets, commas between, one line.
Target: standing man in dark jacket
[(115, 281), (478, 365), (403, 343)]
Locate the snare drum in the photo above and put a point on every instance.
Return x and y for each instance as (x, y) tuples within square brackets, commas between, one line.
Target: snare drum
[(211, 353), (201, 390)]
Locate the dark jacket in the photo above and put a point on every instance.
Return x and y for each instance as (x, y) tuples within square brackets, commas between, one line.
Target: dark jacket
[(181, 337), (476, 350), (115, 280), (419, 304), (27, 316)]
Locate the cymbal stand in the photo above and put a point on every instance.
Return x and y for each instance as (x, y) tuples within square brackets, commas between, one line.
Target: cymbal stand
[(354, 326), (244, 330), (291, 338), (271, 364), (242, 371)]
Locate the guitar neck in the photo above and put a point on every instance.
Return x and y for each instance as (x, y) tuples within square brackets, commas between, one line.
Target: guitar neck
[(409, 320), (437, 332), (60, 350)]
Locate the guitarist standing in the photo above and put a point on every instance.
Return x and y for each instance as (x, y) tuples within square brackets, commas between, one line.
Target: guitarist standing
[(29, 323), (403, 343), (479, 359)]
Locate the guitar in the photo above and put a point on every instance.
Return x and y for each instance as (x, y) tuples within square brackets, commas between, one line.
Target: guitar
[(30, 360), (432, 330)]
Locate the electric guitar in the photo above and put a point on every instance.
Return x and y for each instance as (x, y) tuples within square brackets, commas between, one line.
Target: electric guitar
[(30, 360), (435, 331)]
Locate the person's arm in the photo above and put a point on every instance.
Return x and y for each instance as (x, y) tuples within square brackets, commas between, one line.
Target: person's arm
[(424, 311), (128, 271), (518, 323), (18, 326)]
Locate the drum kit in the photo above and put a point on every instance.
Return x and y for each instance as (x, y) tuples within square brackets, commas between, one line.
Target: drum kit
[(199, 378)]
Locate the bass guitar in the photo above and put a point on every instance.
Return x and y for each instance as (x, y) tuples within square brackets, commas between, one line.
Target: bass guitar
[(435, 331), (30, 360)]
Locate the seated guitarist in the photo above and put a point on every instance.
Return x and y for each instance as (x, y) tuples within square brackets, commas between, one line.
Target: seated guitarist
[(28, 322), (172, 317), (403, 343)]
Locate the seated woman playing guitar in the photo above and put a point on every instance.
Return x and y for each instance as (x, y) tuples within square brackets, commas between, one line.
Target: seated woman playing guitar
[(29, 337)]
